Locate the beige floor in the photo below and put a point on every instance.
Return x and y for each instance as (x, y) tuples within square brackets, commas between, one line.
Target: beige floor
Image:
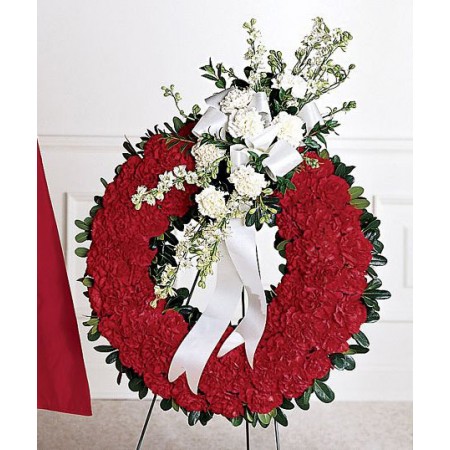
[(337, 426)]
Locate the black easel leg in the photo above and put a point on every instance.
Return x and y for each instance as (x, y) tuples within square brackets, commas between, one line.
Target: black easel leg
[(277, 436), (144, 428), (247, 435)]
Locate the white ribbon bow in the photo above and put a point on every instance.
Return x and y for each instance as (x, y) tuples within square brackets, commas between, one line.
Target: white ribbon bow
[(238, 265)]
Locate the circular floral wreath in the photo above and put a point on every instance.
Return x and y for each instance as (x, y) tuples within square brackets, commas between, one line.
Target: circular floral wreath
[(328, 289)]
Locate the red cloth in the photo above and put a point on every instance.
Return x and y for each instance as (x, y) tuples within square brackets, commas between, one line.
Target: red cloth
[(61, 376)]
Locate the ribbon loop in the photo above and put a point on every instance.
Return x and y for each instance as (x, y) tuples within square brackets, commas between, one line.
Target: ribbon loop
[(283, 157), (310, 115), (213, 122)]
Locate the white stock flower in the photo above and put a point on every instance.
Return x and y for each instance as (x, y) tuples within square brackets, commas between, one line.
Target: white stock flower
[(179, 171), (206, 154), (289, 81), (236, 99), (245, 122), (191, 178), (211, 202), (247, 181), (289, 128)]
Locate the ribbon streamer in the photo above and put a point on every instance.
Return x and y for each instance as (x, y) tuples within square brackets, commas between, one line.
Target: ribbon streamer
[(238, 266)]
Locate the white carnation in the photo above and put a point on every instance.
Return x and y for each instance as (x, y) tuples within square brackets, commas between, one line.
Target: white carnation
[(245, 122), (289, 128), (236, 99), (206, 154), (247, 181), (289, 81), (211, 202)]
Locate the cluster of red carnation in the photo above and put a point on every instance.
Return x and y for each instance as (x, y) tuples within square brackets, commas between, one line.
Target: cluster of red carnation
[(316, 310)]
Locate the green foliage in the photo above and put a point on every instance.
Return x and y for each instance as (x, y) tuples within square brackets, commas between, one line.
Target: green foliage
[(342, 362), (81, 252), (264, 212), (216, 74), (303, 400), (316, 139), (323, 392)]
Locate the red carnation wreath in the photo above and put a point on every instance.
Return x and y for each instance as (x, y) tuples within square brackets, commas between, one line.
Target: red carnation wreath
[(330, 243)]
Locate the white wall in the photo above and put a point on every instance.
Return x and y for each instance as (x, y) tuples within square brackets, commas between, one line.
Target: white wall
[(101, 65)]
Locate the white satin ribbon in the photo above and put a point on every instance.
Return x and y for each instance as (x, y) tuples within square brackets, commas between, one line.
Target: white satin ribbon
[(237, 267), (310, 115)]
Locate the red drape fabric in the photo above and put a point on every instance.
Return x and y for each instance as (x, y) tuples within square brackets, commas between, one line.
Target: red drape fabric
[(61, 375)]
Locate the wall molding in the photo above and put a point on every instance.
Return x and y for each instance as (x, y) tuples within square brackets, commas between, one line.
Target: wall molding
[(114, 143)]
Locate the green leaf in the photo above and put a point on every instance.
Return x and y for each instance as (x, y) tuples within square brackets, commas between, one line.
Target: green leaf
[(340, 170), (282, 245), (250, 219), (360, 203), (372, 316), (92, 321), (94, 209), (378, 246), (183, 293), (361, 339), (371, 303), (371, 272), (221, 83), (372, 225), (135, 384), (81, 252), (323, 392), (303, 400), (378, 260), (88, 282), (104, 182), (193, 417), (236, 421), (264, 418), (350, 363), (81, 237), (93, 334), (282, 268), (80, 224), (178, 124), (166, 404), (112, 357), (377, 294), (287, 404), (104, 348), (355, 191), (373, 284), (354, 349), (281, 418), (338, 361), (143, 392)]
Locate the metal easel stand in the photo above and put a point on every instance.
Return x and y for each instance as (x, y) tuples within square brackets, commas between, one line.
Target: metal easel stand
[(247, 427), (247, 430), (147, 419)]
